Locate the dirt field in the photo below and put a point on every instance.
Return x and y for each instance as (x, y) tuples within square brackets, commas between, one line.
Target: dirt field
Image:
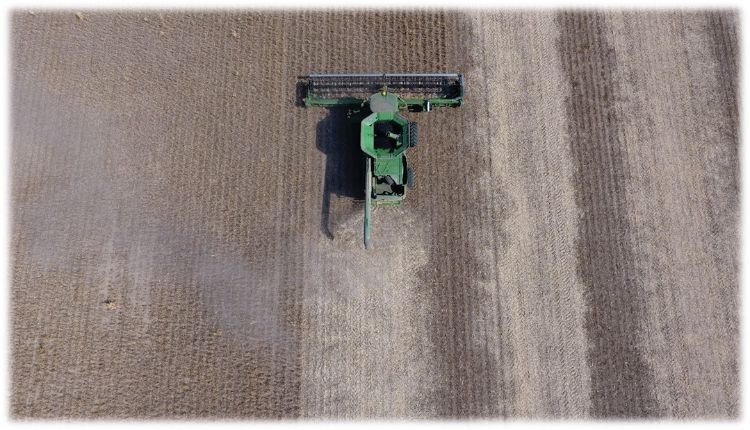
[(186, 239)]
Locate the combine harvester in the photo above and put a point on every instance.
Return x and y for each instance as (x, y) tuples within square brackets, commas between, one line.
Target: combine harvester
[(385, 135)]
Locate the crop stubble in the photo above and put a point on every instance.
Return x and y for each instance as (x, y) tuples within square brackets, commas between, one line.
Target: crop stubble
[(185, 241)]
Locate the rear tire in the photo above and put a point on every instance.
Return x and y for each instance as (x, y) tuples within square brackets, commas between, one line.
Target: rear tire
[(413, 134), (410, 177)]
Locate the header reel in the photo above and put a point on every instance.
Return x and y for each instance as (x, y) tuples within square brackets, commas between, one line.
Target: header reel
[(417, 91)]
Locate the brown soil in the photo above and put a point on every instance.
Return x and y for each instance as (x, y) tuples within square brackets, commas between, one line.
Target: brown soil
[(186, 237)]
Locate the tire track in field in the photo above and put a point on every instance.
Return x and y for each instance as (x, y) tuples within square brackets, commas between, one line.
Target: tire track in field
[(620, 379)]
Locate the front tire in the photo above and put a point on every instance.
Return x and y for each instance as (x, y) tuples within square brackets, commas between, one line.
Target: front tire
[(413, 134)]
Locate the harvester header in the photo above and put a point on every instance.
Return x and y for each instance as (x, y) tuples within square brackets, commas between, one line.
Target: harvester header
[(417, 91)]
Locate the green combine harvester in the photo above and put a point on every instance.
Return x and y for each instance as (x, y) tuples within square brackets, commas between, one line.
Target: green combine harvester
[(386, 134)]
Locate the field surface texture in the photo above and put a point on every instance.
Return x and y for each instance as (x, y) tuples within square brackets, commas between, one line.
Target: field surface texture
[(186, 239)]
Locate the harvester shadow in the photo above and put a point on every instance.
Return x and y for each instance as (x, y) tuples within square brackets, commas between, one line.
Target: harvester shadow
[(338, 138)]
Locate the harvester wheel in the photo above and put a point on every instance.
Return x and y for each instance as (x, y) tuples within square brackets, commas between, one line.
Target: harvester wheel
[(413, 134), (409, 177)]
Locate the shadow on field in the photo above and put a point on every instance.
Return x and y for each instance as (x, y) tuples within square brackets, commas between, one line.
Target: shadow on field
[(338, 138)]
